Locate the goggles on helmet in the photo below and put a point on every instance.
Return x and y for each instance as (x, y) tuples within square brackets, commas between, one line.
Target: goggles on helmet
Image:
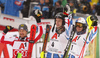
[(79, 24)]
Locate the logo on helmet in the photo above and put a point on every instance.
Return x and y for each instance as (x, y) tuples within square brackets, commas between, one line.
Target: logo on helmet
[(22, 25)]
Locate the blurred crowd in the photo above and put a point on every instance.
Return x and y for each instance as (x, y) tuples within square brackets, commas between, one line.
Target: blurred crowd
[(48, 7)]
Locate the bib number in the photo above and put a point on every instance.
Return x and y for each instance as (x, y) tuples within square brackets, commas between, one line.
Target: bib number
[(52, 44), (71, 47)]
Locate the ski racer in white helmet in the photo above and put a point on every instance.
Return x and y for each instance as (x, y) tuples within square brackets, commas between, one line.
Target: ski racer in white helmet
[(81, 25), (81, 38)]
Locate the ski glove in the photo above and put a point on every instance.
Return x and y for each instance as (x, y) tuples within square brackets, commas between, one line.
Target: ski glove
[(38, 15), (7, 28)]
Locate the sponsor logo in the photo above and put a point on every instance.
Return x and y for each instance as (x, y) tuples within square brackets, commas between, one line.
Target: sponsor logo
[(45, 22), (10, 19), (18, 3), (23, 52)]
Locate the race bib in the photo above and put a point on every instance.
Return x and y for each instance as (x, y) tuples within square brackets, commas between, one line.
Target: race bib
[(20, 47), (54, 46)]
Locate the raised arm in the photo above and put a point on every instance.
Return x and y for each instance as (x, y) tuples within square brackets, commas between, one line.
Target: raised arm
[(37, 14), (7, 28)]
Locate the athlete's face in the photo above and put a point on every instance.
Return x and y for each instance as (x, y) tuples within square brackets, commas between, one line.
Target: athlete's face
[(58, 22), (22, 33), (79, 29)]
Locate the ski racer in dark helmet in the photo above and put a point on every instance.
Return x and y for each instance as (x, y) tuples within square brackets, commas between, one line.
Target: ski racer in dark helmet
[(59, 22)]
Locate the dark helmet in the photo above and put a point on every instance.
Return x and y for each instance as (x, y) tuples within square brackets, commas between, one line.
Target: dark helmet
[(61, 16), (23, 26), (94, 20)]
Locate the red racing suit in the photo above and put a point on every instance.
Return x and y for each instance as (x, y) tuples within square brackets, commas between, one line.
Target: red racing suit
[(21, 46)]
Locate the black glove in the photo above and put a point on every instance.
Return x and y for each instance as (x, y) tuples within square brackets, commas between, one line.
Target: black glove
[(7, 28), (38, 15), (94, 20)]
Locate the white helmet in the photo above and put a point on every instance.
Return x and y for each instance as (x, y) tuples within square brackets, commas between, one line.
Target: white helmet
[(81, 20)]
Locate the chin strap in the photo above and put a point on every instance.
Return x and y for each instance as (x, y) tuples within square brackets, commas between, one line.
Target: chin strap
[(61, 30), (24, 38)]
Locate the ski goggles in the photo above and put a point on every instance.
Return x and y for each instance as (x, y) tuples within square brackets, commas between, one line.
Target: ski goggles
[(79, 25)]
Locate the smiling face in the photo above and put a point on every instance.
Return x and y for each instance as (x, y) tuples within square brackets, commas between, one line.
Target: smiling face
[(22, 33), (58, 22)]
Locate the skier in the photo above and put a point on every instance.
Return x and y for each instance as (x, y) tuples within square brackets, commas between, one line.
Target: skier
[(58, 38), (20, 44), (82, 36)]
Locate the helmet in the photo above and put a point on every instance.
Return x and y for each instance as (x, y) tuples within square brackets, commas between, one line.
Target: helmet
[(60, 15), (81, 22), (23, 26)]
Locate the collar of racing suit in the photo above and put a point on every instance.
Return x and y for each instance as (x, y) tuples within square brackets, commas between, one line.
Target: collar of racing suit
[(22, 39), (82, 32), (60, 30)]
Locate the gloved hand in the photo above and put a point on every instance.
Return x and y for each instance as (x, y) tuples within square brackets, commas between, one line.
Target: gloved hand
[(38, 15), (94, 20), (7, 28)]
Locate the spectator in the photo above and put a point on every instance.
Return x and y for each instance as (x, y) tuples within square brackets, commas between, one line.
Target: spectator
[(25, 10), (54, 1), (58, 4), (49, 3), (57, 8), (98, 8), (93, 9), (12, 7), (44, 8), (2, 3), (76, 3), (72, 7)]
